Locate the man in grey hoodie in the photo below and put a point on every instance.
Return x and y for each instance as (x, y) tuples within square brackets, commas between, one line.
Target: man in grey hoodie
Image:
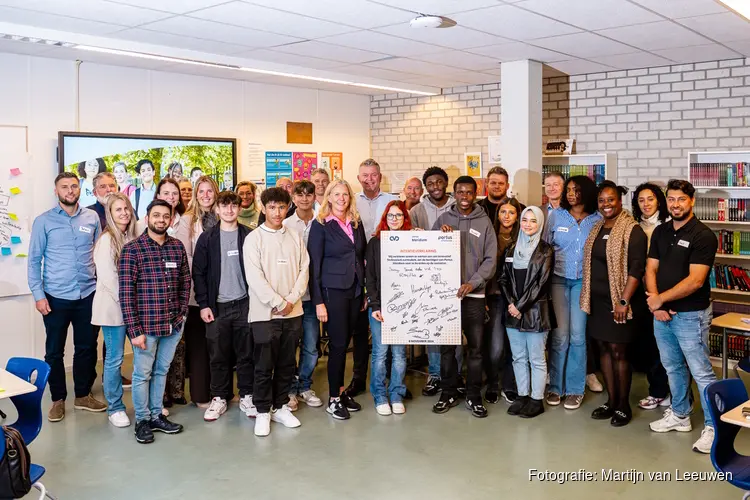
[(478, 260)]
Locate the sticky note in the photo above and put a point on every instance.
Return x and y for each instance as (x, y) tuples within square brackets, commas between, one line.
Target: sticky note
[(15, 239), (15, 190), (12, 216), (15, 171), (6, 251), (21, 255)]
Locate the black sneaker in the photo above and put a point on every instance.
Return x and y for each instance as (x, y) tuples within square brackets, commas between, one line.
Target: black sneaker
[(477, 409), (337, 410), (444, 404), (432, 387), (491, 396), (518, 405), (461, 389), (161, 424), (143, 433), (348, 402), (532, 409), (355, 388), (509, 396)]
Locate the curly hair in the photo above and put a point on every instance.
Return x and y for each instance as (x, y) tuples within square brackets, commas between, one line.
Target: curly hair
[(589, 194), (661, 201)]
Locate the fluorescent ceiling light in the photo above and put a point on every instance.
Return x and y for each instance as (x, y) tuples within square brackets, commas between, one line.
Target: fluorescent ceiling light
[(741, 7), (154, 57)]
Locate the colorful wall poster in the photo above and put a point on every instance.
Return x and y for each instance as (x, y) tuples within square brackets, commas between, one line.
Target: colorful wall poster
[(334, 163), (473, 164), (278, 164), (304, 163)]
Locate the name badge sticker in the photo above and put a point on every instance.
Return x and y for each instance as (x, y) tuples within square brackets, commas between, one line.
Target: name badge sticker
[(282, 262), (233, 253), (605, 237), (84, 229), (171, 265), (562, 229), (683, 243), (474, 232), (508, 259)]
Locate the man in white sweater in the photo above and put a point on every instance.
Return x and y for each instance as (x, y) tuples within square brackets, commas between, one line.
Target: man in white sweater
[(277, 267)]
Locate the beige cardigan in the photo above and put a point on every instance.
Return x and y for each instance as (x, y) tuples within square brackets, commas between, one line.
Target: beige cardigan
[(182, 233), (105, 310)]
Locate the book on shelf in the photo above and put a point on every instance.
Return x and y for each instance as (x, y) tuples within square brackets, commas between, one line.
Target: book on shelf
[(720, 174), (726, 277), (733, 242), (722, 209), (594, 172)]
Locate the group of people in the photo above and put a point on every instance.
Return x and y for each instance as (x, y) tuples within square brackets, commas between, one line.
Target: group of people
[(222, 284)]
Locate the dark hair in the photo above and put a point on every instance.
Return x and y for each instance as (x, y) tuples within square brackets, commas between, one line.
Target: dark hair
[(82, 167), (228, 198), (554, 173), (275, 194), (172, 166), (304, 187), (144, 162), (194, 169), (434, 170), (681, 185), (180, 208), (65, 175), (465, 179), (661, 201), (383, 224), (611, 185), (158, 203), (589, 194), (498, 171), (517, 225)]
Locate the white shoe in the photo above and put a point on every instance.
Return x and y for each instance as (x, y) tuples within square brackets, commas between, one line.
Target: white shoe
[(384, 409), (247, 407), (671, 422), (293, 404), (284, 417), (651, 403), (262, 424), (119, 419), (706, 441), (399, 408), (216, 409), (593, 383), (310, 399)]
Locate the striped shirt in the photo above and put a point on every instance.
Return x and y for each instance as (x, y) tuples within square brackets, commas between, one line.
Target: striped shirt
[(568, 237)]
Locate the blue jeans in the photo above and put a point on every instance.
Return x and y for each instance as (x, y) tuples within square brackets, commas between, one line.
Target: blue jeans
[(683, 346), (433, 360), (150, 367), (308, 352), (528, 349), (567, 359), (114, 340), (396, 388)]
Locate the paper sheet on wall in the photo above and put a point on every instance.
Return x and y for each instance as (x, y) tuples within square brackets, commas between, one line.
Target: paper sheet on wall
[(420, 276), (493, 147), (334, 163), (303, 164), (255, 164), (278, 164)]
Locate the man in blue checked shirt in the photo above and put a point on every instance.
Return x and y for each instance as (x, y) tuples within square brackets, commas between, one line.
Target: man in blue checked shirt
[(63, 239)]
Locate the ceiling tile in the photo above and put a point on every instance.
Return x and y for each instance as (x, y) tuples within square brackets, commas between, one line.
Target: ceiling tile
[(518, 50), (456, 37), (359, 13), (291, 59), (314, 48), (580, 67), (743, 47), (372, 72), (583, 45), (174, 6), (438, 7), (51, 21), (473, 77), (700, 53), (276, 21), (460, 59), (433, 81), (511, 22), (654, 36), (220, 32), (92, 10), (413, 66), (675, 9), (592, 15), (633, 60), (179, 41), (391, 45), (724, 27)]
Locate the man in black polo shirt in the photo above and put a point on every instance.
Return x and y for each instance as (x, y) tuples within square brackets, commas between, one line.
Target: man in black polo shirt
[(679, 261)]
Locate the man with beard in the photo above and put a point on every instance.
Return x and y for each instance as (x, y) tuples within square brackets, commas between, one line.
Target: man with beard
[(63, 238), (497, 192), (104, 185), (680, 258), (154, 279)]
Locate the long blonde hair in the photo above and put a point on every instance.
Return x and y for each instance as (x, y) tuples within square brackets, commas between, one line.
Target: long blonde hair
[(325, 207), (119, 238), (196, 212)]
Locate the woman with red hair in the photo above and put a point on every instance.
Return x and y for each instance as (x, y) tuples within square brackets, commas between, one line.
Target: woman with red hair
[(395, 218)]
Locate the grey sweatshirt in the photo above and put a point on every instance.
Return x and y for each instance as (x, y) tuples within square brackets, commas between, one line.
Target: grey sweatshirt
[(478, 245), (426, 213)]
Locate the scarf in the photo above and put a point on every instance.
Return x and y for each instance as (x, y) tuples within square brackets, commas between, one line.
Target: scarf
[(617, 260), (648, 224), (526, 244)]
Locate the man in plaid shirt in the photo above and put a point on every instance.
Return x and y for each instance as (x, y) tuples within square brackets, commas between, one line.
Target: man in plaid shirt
[(154, 281)]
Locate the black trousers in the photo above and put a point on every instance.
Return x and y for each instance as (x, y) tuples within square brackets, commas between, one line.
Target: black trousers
[(275, 352), (196, 350), (496, 354), (64, 313), (472, 323), (230, 341), (343, 312), (361, 346)]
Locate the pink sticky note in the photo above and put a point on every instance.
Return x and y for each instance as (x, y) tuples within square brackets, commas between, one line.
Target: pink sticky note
[(15, 171)]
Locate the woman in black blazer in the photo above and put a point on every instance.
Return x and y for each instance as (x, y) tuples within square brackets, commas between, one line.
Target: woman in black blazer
[(337, 246)]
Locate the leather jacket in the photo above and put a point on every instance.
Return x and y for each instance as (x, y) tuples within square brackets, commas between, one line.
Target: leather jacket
[(535, 303)]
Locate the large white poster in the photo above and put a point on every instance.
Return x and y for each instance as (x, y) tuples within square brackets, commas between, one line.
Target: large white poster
[(420, 276)]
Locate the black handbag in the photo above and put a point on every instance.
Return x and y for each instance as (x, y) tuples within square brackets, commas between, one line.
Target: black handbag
[(15, 465)]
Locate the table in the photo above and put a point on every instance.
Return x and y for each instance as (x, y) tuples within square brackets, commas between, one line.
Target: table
[(13, 385), (734, 416), (729, 321)]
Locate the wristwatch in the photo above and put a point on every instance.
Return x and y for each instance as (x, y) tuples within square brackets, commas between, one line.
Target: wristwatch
[(624, 302)]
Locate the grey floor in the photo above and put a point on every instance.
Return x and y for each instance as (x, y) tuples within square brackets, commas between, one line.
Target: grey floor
[(416, 455)]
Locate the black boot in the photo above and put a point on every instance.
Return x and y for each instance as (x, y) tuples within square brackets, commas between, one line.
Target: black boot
[(534, 408), (518, 405)]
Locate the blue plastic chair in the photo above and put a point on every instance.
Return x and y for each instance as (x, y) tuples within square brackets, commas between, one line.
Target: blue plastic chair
[(29, 407), (722, 396)]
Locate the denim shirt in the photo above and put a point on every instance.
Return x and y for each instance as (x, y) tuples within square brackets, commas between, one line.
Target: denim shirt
[(568, 237)]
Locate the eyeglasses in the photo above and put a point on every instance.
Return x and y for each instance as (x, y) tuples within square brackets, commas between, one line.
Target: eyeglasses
[(394, 216)]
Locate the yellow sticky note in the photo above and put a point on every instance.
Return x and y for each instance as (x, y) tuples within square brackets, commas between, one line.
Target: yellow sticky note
[(21, 255), (15, 190), (12, 216)]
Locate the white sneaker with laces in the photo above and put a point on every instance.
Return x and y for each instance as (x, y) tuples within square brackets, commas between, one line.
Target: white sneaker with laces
[(119, 419), (706, 441), (310, 399), (671, 422), (247, 407), (399, 408), (216, 409), (384, 409), (284, 417), (262, 424), (293, 404), (593, 383)]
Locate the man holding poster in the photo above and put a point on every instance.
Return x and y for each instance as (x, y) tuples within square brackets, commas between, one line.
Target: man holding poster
[(478, 260)]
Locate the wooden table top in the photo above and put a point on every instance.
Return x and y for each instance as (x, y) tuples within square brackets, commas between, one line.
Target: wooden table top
[(734, 416), (733, 321)]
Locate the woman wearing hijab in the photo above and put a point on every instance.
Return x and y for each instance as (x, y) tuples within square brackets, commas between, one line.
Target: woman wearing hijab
[(525, 282)]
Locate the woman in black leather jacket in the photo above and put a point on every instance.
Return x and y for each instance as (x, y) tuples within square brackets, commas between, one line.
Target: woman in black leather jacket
[(525, 281)]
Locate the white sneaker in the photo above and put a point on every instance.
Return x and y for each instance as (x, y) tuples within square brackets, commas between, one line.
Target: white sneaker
[(706, 441), (216, 409), (247, 407), (119, 419), (399, 408), (671, 422), (293, 404), (262, 424), (593, 383), (310, 399), (651, 403), (284, 417), (384, 409)]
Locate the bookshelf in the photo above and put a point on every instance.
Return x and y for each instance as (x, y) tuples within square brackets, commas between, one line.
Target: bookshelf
[(729, 292), (727, 171), (728, 256), (568, 163)]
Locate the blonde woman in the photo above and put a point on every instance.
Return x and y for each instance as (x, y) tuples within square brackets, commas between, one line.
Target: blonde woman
[(249, 212), (337, 247), (106, 306)]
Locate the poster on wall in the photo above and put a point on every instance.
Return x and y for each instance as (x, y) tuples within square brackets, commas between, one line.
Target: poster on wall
[(278, 164), (473, 164), (493, 147), (304, 163), (334, 163)]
